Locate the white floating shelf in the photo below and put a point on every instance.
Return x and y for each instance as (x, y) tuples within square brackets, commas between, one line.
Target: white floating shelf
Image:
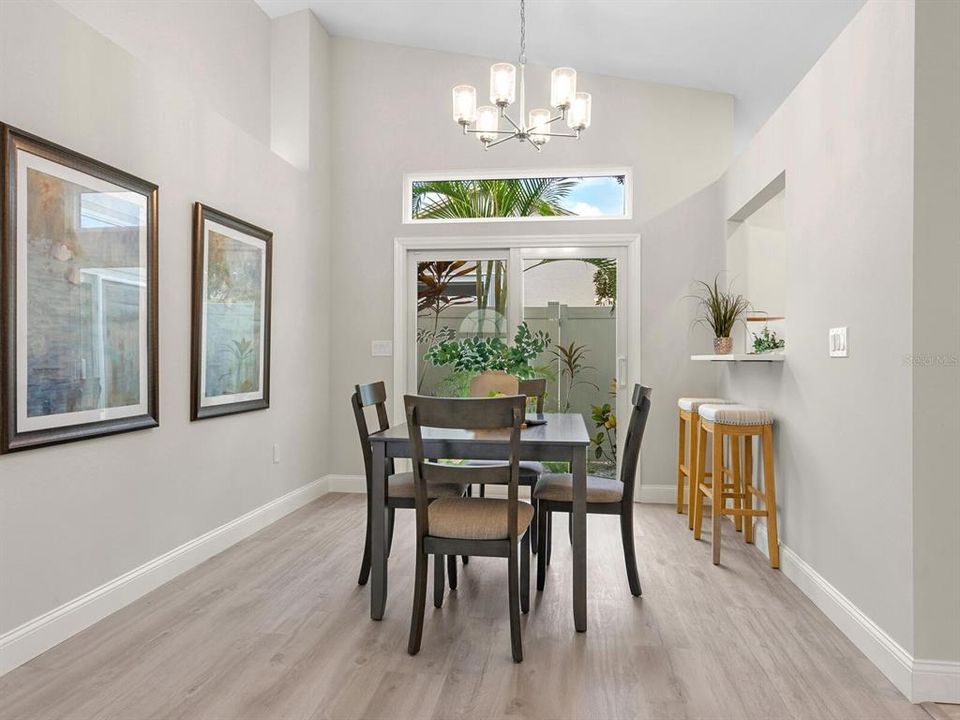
[(741, 357)]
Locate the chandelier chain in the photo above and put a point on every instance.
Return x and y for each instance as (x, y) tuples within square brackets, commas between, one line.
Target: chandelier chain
[(523, 33)]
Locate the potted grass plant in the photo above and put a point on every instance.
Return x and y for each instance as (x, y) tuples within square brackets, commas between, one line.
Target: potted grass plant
[(720, 309)]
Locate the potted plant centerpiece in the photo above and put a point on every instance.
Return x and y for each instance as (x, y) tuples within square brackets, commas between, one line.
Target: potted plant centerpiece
[(491, 355), (720, 309)]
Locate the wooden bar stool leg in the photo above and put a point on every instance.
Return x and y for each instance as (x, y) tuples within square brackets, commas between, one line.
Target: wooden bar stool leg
[(718, 499), (681, 456), (748, 489), (699, 478), (694, 464), (737, 482), (770, 497)]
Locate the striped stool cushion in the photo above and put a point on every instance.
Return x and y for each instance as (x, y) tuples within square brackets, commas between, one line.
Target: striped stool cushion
[(736, 415), (693, 404)]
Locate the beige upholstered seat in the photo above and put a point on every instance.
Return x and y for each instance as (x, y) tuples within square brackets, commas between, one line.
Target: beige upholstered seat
[(691, 404), (736, 415), (400, 485), (559, 487), (475, 518)]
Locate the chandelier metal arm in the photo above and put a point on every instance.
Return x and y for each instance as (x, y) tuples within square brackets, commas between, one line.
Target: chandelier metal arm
[(488, 145), (516, 128), (467, 131)]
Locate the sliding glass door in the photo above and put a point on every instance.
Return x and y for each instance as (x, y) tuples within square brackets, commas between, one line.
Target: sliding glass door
[(575, 295)]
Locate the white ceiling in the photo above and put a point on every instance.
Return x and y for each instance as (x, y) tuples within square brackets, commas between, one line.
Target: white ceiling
[(756, 50)]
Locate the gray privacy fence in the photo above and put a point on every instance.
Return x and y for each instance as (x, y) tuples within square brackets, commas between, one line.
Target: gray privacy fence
[(593, 327)]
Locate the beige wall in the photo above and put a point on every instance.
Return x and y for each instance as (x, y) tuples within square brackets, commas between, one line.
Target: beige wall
[(392, 116), (75, 516), (844, 426), (936, 332), (220, 49)]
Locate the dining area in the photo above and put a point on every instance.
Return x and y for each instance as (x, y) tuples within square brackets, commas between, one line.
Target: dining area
[(470, 457)]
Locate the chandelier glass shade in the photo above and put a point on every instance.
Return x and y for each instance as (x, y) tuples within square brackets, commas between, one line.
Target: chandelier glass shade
[(566, 104)]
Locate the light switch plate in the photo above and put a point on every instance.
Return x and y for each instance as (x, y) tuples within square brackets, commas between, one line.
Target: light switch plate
[(381, 348), (838, 342)]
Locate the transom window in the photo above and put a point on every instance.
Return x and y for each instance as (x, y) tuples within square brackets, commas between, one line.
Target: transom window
[(517, 196)]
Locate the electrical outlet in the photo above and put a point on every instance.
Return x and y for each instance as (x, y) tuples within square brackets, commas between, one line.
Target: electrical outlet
[(276, 453), (838, 342), (381, 348)]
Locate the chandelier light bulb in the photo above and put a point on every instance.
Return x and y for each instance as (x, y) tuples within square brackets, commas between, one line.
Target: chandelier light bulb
[(503, 84), (578, 117), (539, 124), (563, 87), (464, 104), (488, 121)]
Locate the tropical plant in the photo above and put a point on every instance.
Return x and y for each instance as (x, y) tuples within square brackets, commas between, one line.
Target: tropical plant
[(477, 354), (605, 281), (572, 363), (767, 341), (509, 197), (605, 441), (720, 308), (433, 284)]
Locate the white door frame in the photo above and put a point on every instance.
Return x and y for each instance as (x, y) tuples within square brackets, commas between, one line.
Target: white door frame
[(404, 329)]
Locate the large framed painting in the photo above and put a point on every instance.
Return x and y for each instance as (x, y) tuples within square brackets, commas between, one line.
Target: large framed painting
[(78, 325), (232, 264)]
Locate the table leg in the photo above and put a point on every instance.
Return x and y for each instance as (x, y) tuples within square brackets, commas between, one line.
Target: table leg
[(579, 468), (378, 518)]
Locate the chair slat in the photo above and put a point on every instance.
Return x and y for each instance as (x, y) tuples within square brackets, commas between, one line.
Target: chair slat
[(534, 388), (372, 393), (465, 413), (466, 474)]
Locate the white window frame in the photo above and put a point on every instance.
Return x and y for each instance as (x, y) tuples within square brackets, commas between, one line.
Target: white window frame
[(506, 174)]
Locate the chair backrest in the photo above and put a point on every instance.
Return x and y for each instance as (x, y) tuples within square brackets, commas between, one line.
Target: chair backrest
[(631, 445), (488, 384), (501, 416), (534, 388), (365, 396)]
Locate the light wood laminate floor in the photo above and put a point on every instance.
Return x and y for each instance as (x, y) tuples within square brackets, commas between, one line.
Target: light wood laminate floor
[(276, 627)]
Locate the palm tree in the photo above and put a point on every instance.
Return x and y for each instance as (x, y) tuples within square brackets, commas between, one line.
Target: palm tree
[(510, 197)]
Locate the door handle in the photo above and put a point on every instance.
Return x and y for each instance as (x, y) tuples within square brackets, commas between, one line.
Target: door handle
[(621, 371)]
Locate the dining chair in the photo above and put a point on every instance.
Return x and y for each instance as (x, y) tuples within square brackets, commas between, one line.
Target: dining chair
[(400, 490), (451, 526), (533, 388), (605, 496)]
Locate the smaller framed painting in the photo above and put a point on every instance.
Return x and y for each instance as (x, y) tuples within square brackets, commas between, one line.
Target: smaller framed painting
[(78, 296), (232, 268)]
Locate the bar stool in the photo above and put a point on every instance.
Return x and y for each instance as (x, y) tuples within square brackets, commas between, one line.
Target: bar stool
[(736, 422), (688, 423)]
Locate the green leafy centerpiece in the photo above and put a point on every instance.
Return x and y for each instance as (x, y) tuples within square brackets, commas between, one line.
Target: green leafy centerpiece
[(478, 354)]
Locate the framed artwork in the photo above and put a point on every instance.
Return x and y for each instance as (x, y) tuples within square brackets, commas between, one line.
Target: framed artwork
[(78, 297), (232, 267)]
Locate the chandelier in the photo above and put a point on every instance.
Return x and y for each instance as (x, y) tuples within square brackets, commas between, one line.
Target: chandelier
[(566, 104)]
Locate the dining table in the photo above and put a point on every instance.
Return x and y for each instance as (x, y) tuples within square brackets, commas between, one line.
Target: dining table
[(562, 438)]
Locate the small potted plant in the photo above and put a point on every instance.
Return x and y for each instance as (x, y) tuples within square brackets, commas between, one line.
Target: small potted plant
[(491, 355), (720, 309), (767, 341)]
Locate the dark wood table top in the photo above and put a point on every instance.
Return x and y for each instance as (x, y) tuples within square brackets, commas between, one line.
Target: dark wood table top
[(560, 429)]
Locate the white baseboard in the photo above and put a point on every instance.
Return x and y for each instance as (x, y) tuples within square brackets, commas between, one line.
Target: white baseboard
[(25, 642), (919, 680)]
